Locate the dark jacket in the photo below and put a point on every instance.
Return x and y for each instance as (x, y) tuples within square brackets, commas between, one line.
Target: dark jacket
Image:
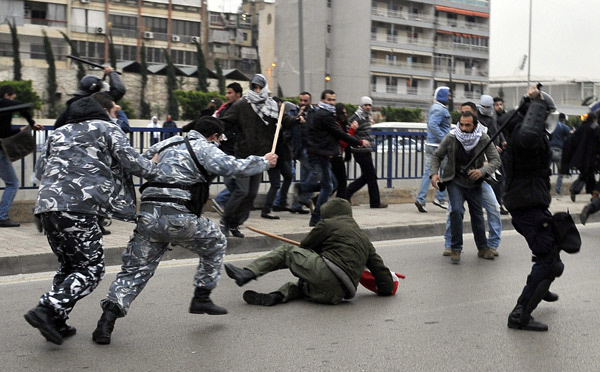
[(363, 131), (6, 129), (527, 159), (339, 239), (117, 91), (490, 122), (324, 134), (254, 137)]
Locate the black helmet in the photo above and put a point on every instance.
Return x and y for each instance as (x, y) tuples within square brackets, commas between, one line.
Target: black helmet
[(89, 85)]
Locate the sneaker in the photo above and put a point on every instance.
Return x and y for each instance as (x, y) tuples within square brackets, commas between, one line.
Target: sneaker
[(421, 207), (440, 203), (8, 223), (314, 221), (298, 210), (495, 252), (455, 256), (447, 252), (485, 253)]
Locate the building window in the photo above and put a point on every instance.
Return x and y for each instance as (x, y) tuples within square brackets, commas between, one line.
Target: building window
[(153, 24), (123, 22), (328, 29), (45, 14), (186, 28)]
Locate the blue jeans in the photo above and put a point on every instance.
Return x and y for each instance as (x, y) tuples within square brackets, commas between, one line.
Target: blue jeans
[(557, 158), (492, 208), (457, 196), (305, 172), (319, 179), (425, 181), (8, 175)]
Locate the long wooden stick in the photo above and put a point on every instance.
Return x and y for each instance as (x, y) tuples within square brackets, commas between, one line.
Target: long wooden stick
[(273, 235), (281, 110)]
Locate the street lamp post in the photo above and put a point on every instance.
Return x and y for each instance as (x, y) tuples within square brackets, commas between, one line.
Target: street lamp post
[(270, 74)]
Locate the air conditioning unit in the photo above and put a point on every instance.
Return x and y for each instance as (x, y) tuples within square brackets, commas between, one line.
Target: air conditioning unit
[(148, 35), (100, 30), (84, 1), (175, 38), (195, 39)]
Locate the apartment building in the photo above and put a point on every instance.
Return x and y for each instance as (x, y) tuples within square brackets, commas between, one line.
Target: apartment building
[(396, 51), (174, 25)]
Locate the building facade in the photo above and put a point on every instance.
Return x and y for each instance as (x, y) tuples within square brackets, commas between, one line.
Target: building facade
[(396, 51), (173, 25)]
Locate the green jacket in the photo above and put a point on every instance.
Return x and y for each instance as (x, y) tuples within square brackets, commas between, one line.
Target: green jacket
[(339, 239), (449, 146)]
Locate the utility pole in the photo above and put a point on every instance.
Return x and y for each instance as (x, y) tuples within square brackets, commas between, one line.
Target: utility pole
[(301, 44), (529, 52)]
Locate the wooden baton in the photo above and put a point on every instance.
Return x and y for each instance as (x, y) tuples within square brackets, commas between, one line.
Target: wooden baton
[(273, 236), (281, 110)]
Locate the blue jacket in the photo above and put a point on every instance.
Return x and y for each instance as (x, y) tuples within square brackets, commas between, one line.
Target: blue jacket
[(438, 124), (559, 135)]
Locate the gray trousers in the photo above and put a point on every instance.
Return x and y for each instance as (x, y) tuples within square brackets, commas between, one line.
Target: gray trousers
[(317, 282), (154, 232)]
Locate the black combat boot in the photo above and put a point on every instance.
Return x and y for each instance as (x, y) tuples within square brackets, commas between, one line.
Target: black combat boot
[(550, 297), (241, 276), (529, 324), (202, 304), (44, 319), (106, 324), (262, 299), (64, 329)]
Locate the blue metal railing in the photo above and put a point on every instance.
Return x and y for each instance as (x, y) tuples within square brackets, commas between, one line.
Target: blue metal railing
[(397, 155)]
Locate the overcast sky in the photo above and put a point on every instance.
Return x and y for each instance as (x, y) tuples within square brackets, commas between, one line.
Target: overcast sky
[(563, 40)]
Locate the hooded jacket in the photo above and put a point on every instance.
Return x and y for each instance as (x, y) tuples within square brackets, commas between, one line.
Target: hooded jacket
[(339, 239), (86, 166), (438, 118)]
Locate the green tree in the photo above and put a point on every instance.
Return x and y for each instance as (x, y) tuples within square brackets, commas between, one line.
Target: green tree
[(126, 107), (402, 114), (202, 74), (16, 55), (220, 76), (25, 92), (80, 68), (145, 108), (52, 85), (172, 107), (193, 102)]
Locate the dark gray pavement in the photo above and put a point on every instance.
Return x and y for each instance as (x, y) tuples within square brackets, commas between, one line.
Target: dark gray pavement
[(25, 250)]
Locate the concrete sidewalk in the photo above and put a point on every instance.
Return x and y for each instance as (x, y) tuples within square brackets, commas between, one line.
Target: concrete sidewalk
[(25, 250)]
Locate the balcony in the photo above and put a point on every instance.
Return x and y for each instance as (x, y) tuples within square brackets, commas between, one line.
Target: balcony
[(401, 67)]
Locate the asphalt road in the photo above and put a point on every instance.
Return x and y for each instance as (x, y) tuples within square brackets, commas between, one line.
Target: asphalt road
[(445, 317)]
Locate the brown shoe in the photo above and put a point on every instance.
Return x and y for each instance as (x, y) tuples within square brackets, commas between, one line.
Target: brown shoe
[(447, 252), (455, 256), (486, 254)]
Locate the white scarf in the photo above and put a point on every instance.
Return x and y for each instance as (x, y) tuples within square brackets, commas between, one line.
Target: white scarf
[(327, 106), (468, 140), (262, 104)]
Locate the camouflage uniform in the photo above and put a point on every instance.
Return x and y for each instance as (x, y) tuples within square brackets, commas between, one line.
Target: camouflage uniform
[(84, 170), (162, 223)]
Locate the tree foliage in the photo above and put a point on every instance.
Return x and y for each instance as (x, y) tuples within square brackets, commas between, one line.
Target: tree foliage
[(25, 92), (402, 114), (80, 67), (220, 76), (145, 107), (52, 85), (193, 102), (201, 73), (112, 56), (172, 107), (16, 56)]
